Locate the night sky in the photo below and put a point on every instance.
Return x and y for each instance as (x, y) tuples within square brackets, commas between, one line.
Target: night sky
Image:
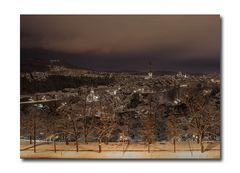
[(115, 43)]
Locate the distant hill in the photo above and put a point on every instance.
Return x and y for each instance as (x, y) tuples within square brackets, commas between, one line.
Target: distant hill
[(40, 59)]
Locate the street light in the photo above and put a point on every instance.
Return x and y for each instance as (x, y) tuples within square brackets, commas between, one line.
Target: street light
[(38, 107)]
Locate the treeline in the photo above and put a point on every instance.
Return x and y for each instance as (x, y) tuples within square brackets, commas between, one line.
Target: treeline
[(59, 82)]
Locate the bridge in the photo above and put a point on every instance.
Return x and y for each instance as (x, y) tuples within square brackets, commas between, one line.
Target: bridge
[(39, 101)]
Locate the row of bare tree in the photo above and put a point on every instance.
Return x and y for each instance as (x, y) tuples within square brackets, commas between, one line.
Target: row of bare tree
[(196, 114)]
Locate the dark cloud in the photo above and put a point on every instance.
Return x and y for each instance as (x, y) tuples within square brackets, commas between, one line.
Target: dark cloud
[(129, 41)]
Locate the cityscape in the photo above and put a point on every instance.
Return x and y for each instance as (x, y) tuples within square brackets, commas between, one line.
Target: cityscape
[(120, 87)]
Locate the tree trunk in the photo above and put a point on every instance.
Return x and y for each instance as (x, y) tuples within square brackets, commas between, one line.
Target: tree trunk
[(149, 146), (54, 146), (77, 149), (201, 142), (34, 135), (99, 146), (198, 140), (85, 138), (66, 140), (123, 145), (30, 139), (106, 141), (174, 145), (202, 147)]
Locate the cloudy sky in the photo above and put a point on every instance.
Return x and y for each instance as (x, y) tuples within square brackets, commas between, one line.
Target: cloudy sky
[(109, 43)]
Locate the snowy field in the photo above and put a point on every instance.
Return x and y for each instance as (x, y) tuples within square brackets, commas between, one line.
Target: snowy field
[(184, 150)]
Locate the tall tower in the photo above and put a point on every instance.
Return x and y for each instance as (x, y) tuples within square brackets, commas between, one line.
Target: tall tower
[(150, 75)]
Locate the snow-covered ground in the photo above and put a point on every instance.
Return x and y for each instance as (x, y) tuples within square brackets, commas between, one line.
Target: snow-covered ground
[(184, 150)]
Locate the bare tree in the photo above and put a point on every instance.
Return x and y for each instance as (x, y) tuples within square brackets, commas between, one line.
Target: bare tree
[(204, 116), (104, 128), (71, 123), (175, 126), (26, 123), (149, 124)]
